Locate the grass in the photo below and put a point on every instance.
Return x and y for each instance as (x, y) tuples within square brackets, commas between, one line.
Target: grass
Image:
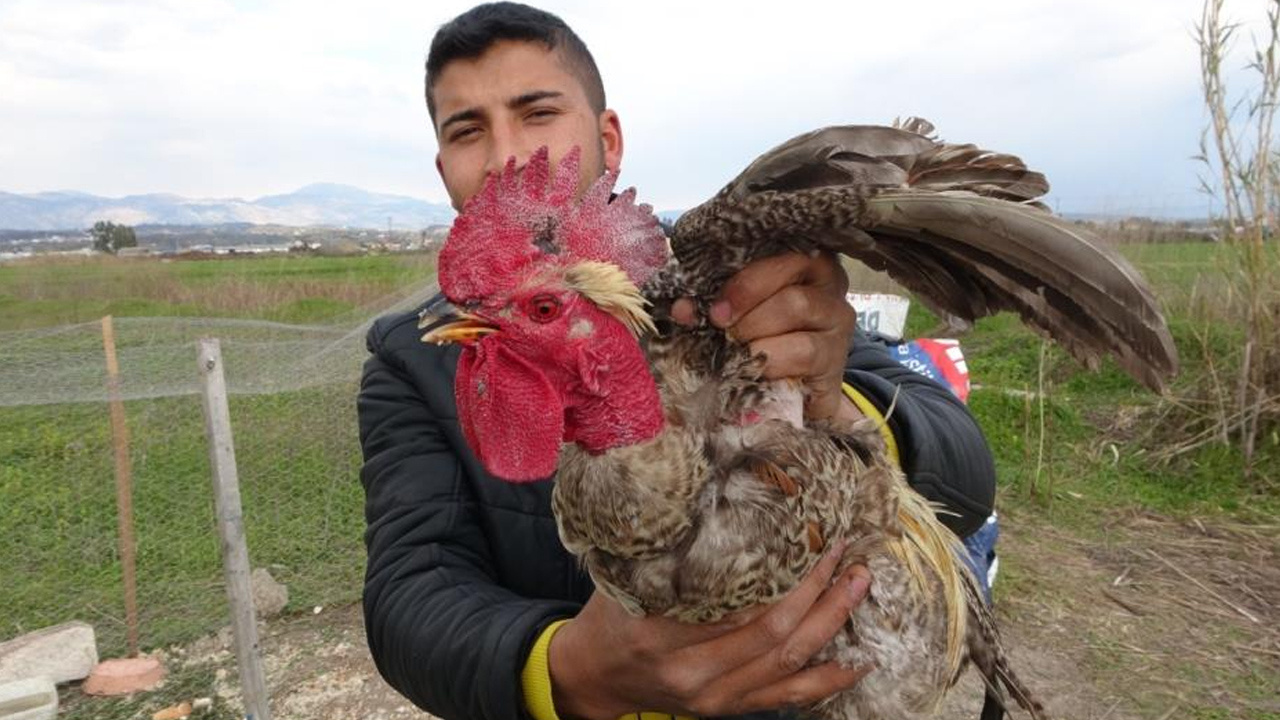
[(1097, 446), (1097, 443)]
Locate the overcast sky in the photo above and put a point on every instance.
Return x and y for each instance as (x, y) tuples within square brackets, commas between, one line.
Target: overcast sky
[(223, 98)]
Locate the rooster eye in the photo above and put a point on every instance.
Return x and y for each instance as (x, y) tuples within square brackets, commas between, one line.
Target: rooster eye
[(544, 308)]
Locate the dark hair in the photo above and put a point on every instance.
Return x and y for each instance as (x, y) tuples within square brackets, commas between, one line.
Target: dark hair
[(473, 32)]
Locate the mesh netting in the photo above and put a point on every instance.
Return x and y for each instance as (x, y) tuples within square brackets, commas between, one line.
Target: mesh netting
[(293, 390)]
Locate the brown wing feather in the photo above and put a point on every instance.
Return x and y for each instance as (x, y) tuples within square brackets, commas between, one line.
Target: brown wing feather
[(956, 224), (1060, 278), (866, 155)]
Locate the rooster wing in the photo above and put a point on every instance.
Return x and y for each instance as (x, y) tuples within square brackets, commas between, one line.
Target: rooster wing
[(957, 225)]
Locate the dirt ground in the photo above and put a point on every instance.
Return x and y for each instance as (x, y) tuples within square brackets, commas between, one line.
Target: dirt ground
[(1152, 619)]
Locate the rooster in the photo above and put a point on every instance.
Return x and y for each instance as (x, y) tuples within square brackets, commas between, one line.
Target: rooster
[(690, 486)]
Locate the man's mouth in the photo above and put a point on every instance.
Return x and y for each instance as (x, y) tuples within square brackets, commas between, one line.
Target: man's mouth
[(466, 329)]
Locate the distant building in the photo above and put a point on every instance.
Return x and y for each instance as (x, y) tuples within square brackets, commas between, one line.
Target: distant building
[(304, 246)]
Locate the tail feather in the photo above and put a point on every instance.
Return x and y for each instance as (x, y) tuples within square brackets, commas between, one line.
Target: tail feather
[(988, 654), (927, 548)]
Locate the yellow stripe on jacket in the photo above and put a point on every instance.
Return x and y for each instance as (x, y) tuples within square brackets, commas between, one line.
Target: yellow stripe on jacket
[(867, 408)]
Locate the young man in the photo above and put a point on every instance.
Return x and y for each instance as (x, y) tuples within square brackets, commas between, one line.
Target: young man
[(466, 578)]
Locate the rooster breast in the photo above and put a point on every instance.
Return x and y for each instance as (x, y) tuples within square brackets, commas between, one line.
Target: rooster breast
[(734, 501), (730, 505)]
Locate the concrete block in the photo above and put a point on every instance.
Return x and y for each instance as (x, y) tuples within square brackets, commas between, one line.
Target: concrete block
[(61, 653), (30, 699)]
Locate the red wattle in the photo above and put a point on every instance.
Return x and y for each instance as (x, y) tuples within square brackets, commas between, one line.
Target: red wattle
[(512, 416)]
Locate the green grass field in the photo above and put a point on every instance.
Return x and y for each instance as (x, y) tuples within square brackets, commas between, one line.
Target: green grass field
[(1098, 440), (291, 289)]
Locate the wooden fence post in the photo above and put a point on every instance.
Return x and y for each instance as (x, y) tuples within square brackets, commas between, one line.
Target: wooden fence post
[(124, 487), (235, 553)]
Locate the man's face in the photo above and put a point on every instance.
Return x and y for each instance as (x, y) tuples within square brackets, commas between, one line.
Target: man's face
[(512, 100)]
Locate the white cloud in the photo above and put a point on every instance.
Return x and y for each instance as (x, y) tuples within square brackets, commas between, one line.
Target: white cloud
[(217, 98)]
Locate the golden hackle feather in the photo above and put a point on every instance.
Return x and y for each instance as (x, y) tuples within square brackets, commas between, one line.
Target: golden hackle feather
[(927, 548), (606, 285)]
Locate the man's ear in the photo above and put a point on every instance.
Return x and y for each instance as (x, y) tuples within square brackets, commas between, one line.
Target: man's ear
[(611, 139)]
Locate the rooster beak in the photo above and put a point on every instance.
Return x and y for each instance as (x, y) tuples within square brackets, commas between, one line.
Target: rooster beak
[(466, 329)]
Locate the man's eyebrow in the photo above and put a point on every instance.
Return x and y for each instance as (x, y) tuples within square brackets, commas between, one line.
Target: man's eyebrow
[(532, 97), (516, 102), (461, 116)]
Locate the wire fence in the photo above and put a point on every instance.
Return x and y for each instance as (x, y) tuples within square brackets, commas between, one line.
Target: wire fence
[(293, 391)]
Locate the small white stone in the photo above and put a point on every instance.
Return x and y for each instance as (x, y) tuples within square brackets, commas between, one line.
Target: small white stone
[(269, 595)]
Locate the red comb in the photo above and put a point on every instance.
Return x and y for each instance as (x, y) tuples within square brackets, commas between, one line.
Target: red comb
[(524, 217)]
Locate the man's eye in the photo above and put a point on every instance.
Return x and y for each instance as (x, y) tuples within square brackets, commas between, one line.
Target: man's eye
[(543, 114), (544, 308), (464, 133)]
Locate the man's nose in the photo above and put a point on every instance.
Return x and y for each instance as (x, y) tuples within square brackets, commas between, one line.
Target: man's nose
[(503, 147)]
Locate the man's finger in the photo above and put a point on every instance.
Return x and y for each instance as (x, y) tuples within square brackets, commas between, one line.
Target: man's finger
[(762, 278), (800, 355), (684, 312), (738, 647), (827, 616), (776, 626), (737, 619), (791, 309), (805, 687)]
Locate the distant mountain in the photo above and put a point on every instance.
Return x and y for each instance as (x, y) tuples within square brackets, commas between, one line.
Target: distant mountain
[(320, 204)]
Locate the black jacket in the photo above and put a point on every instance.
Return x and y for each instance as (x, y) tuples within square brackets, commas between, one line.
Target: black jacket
[(464, 570)]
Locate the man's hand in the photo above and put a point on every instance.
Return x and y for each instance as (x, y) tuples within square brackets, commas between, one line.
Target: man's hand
[(792, 308), (605, 663)]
